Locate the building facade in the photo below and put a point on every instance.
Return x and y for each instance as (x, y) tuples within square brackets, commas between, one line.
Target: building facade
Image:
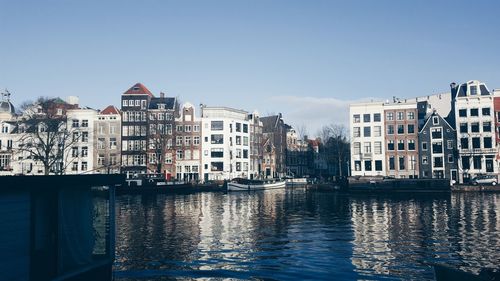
[(275, 129), (188, 145), (368, 139), (107, 141), (438, 150), (225, 144), (256, 149), (473, 108), (135, 102)]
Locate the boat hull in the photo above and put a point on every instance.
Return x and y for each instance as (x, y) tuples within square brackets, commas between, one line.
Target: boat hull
[(232, 186), (296, 181)]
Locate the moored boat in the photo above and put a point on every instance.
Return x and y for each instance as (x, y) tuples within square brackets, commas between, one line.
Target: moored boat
[(247, 185), (296, 181)]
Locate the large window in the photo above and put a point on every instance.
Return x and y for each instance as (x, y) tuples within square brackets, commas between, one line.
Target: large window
[(356, 132), (464, 128), (477, 162), (486, 126), (487, 142), (366, 117), (411, 115), (366, 131), (401, 115), (378, 147), (462, 112), (411, 144), (390, 129), (378, 165), (390, 145), (217, 125), (474, 112), (368, 147), (464, 143), (376, 117), (392, 164), (217, 139), (411, 128), (377, 131), (390, 116), (476, 142), (217, 166), (474, 127), (465, 162), (217, 153), (357, 148), (486, 111), (356, 118), (437, 147), (401, 163), (436, 133), (368, 165), (401, 145), (438, 162), (401, 129)]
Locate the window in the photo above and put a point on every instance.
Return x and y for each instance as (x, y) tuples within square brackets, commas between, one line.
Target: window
[(74, 151), (196, 140), (376, 117), (245, 140), (438, 162), (378, 147), (473, 90), (238, 140), (100, 160), (450, 158), (217, 152), (401, 163), (245, 128), (487, 142), (85, 151), (366, 117), (85, 123), (368, 165), (368, 147), (474, 112), (401, 115), (217, 139), (464, 143), (217, 125), (187, 128), (356, 118), (180, 154), (238, 127), (378, 165), (463, 128), (84, 166), (411, 115), (125, 102), (100, 143), (390, 116), (179, 128), (437, 147), (356, 132), (486, 111), (401, 129), (245, 153), (424, 160), (76, 123), (74, 167), (436, 133), (462, 112), (377, 131), (112, 143), (196, 128), (216, 166), (486, 126), (357, 165), (424, 146), (476, 161), (411, 128), (357, 148), (435, 120), (366, 131), (390, 129), (465, 162), (401, 145), (187, 141), (474, 127), (85, 136), (476, 142), (411, 144), (178, 141), (392, 164), (238, 153), (390, 145), (449, 144)]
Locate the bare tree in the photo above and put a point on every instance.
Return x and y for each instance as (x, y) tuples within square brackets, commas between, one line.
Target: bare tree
[(335, 145), (301, 130), (44, 136)]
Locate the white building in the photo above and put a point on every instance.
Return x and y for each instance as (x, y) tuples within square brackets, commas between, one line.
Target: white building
[(79, 159), (225, 145), (107, 141), (475, 123), (367, 139)]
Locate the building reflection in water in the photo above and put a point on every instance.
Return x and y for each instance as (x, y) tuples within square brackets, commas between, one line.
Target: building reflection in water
[(401, 235), (296, 234)]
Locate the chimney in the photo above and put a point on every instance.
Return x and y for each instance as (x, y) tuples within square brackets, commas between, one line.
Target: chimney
[(162, 95)]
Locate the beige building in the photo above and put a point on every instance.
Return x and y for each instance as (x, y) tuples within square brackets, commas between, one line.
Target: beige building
[(107, 134), (187, 145)]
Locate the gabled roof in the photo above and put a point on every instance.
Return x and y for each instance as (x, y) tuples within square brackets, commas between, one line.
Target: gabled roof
[(440, 117), (138, 89), (111, 109), (269, 123)]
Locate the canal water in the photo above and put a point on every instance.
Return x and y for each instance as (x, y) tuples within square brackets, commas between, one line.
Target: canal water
[(296, 234)]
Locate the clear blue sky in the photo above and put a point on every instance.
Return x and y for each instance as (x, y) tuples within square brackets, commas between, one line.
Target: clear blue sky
[(306, 59)]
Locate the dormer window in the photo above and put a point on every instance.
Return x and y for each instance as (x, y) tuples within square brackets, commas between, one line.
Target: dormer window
[(473, 90), (161, 106)]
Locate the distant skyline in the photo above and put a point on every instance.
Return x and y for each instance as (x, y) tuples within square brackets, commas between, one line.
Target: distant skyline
[(305, 59)]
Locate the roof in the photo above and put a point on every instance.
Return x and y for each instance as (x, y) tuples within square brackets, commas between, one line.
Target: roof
[(169, 103), (7, 106), (138, 89), (111, 109), (269, 123), (427, 121)]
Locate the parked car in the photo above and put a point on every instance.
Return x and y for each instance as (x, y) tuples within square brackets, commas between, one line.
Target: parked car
[(485, 179)]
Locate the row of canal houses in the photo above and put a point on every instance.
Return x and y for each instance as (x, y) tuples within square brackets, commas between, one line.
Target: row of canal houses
[(451, 135), (148, 134)]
